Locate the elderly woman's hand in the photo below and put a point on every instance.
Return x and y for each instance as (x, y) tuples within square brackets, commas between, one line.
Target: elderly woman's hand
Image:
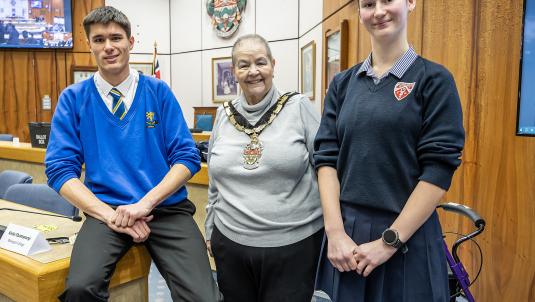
[(209, 248)]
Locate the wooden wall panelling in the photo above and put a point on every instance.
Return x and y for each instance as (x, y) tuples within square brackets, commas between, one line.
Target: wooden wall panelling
[(448, 39), (62, 75), (45, 73), (331, 6), (80, 10), (3, 105), (348, 13), (28, 76), (344, 35), (506, 163), (16, 70), (4, 92), (415, 26)]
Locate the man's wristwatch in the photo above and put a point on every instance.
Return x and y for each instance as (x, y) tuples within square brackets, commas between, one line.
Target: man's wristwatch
[(391, 238)]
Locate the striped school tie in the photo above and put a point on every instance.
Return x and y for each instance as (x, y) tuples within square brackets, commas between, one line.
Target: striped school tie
[(118, 108)]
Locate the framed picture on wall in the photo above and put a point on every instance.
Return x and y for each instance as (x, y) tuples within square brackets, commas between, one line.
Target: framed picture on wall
[(144, 68), (332, 57), (224, 85), (308, 70), (335, 54), (80, 73)]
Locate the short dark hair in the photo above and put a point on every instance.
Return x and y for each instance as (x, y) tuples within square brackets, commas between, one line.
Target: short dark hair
[(105, 15), (250, 37)]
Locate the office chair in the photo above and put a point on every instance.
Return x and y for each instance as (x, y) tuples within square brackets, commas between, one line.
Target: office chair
[(10, 177), (6, 137), (204, 122), (40, 196)]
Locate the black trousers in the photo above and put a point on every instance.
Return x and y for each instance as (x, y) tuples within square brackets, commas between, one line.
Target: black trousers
[(274, 274), (175, 245)]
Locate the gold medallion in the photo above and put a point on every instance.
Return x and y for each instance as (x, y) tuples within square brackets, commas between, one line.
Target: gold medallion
[(253, 150), (252, 153)]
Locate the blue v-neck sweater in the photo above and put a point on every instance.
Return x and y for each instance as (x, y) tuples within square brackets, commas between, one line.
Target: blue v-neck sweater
[(124, 159)]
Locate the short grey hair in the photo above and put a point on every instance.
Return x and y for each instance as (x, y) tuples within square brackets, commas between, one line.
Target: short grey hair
[(250, 37), (105, 15)]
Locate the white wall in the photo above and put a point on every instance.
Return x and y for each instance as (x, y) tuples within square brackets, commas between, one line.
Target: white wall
[(310, 15), (186, 25), (150, 23), (187, 43), (187, 85), (277, 19), (247, 26)]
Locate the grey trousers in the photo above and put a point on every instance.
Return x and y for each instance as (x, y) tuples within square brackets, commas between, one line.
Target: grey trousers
[(175, 245)]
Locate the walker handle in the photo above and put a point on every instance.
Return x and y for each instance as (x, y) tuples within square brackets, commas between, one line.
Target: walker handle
[(464, 210)]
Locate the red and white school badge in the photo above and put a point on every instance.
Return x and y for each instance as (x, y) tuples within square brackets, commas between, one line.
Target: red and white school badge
[(402, 90)]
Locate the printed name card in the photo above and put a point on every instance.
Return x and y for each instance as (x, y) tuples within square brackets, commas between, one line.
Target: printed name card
[(23, 240)]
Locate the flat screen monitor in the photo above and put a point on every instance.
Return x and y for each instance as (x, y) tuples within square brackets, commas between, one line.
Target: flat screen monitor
[(526, 102), (35, 24)]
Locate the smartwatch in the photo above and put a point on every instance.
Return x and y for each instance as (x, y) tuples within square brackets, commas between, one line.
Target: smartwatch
[(391, 238)]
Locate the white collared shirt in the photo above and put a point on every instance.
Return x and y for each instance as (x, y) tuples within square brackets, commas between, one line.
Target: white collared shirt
[(127, 88)]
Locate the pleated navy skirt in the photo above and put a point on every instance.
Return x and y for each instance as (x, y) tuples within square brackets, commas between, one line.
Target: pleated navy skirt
[(419, 275)]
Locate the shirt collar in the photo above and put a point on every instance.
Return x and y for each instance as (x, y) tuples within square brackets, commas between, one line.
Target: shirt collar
[(106, 87), (398, 69)]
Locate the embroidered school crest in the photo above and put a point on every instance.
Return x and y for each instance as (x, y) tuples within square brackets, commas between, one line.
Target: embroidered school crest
[(402, 90), (226, 15), (149, 119)]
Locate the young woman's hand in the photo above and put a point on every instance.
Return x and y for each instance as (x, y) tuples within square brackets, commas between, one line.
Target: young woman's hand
[(372, 254), (340, 251)]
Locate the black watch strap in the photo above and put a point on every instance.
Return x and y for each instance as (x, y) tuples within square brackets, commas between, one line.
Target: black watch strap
[(390, 237)]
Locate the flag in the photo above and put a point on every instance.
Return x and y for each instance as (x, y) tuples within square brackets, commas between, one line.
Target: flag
[(156, 71), (155, 64)]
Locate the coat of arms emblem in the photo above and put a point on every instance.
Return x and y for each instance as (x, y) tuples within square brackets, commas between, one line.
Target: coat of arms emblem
[(226, 15), (149, 119), (402, 90)]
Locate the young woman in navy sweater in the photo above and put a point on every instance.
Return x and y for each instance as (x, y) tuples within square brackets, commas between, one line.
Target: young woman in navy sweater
[(389, 142)]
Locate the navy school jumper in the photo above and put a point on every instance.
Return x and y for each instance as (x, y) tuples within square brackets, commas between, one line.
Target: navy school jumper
[(381, 146)]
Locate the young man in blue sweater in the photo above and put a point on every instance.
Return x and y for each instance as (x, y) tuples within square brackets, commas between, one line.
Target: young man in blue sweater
[(129, 131)]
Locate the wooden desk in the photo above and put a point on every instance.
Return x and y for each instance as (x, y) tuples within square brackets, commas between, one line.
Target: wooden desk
[(201, 136), (25, 279), (22, 152)]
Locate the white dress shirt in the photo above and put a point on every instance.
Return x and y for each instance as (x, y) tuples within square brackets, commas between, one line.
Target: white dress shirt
[(127, 88)]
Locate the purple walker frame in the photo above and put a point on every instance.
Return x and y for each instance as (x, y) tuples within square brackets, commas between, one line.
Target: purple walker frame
[(454, 262)]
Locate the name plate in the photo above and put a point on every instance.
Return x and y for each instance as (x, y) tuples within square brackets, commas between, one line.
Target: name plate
[(23, 240)]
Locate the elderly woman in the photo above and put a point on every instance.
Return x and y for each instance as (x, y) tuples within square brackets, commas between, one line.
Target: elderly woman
[(390, 139), (264, 221)]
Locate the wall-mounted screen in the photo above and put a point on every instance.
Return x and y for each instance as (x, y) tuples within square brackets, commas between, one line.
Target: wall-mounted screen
[(35, 24), (526, 103)]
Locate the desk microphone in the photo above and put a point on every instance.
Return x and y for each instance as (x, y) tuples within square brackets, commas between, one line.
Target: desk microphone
[(73, 218)]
